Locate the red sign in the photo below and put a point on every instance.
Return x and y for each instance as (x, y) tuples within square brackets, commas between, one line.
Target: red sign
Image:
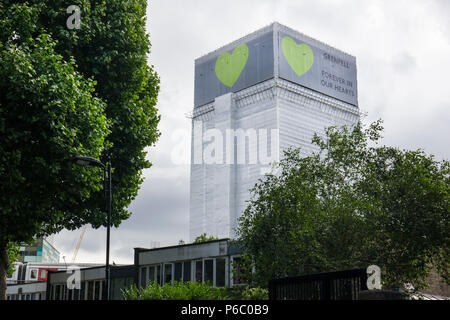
[(43, 273)]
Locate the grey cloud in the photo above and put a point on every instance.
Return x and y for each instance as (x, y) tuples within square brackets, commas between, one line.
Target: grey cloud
[(443, 9), (404, 62), (161, 203), (430, 133)]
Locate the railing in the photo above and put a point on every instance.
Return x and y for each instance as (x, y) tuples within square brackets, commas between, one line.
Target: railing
[(340, 285)]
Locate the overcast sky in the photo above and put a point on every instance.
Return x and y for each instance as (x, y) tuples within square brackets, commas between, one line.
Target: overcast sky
[(402, 50)]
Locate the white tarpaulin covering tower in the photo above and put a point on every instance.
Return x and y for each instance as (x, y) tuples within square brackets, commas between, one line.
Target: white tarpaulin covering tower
[(254, 98)]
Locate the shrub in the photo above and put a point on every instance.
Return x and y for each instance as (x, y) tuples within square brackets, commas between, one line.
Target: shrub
[(257, 293), (193, 291), (176, 291)]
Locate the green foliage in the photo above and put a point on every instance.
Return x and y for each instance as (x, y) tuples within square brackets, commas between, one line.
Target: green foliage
[(257, 293), (12, 250), (176, 291), (352, 204), (48, 113), (87, 91), (245, 292), (193, 291), (204, 238), (65, 93)]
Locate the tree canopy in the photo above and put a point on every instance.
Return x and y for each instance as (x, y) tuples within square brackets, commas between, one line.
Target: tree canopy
[(204, 238), (71, 92), (351, 204)]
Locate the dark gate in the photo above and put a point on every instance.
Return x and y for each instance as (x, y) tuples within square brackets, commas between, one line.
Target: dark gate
[(340, 285)]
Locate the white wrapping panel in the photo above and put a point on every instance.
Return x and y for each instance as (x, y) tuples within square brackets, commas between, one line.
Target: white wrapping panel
[(219, 191)]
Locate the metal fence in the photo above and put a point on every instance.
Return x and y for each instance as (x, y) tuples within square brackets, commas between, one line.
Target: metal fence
[(340, 285)]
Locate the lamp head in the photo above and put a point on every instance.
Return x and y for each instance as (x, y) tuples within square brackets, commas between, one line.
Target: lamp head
[(88, 161)]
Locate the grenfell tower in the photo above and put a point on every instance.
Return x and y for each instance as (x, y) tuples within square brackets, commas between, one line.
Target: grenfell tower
[(253, 98)]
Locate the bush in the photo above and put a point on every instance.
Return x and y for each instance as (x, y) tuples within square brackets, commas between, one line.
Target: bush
[(255, 294), (244, 292), (193, 291), (176, 291)]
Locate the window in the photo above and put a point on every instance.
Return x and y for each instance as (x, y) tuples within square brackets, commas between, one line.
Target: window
[(21, 273), (198, 271), (220, 272), (143, 277), (104, 293), (90, 293), (83, 290), (186, 271), (158, 274), (236, 270), (178, 271), (52, 289), (167, 273), (64, 292), (97, 290), (117, 285), (33, 274), (76, 294), (208, 270), (57, 292), (151, 274)]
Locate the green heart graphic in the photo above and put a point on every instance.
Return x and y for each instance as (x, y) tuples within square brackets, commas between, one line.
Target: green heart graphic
[(300, 57), (229, 66)]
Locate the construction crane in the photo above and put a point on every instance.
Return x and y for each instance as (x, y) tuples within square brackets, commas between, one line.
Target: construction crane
[(79, 243)]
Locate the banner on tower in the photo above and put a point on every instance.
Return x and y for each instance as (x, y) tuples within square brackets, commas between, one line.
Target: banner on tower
[(328, 71), (296, 58), (233, 68)]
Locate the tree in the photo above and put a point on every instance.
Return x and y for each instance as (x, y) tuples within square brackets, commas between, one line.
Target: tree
[(12, 250), (204, 238), (65, 93), (351, 204)]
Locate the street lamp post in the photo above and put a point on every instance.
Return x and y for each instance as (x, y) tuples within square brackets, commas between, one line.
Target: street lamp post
[(88, 161)]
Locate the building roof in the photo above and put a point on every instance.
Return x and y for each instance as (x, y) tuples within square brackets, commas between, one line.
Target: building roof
[(178, 246), (59, 264), (273, 27)]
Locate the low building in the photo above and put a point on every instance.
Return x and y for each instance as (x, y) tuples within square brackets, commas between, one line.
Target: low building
[(26, 291), (211, 261), (28, 282), (92, 282), (35, 271)]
